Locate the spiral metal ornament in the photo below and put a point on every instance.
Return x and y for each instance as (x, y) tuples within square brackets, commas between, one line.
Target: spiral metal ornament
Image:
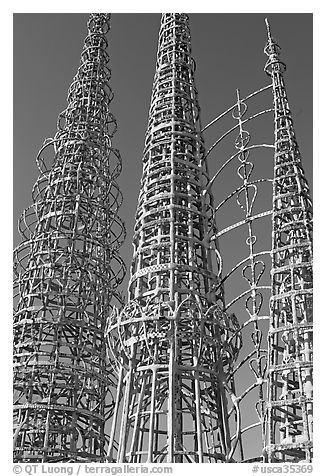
[(67, 273)]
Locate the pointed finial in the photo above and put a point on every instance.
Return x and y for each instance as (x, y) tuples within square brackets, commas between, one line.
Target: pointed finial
[(268, 29), (272, 50)]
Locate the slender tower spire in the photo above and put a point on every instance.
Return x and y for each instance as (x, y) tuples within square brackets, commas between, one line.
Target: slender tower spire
[(67, 269), (289, 406), (173, 406)]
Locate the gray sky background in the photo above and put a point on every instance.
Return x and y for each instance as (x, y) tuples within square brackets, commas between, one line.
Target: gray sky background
[(228, 49)]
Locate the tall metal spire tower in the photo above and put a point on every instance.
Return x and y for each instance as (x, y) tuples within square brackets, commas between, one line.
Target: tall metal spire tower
[(67, 270), (169, 342), (289, 407)]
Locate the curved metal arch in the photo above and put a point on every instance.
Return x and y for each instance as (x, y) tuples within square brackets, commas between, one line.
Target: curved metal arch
[(265, 88), (228, 161), (235, 128), (255, 294)]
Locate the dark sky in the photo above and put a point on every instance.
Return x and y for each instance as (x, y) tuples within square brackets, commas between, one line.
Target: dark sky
[(228, 49)]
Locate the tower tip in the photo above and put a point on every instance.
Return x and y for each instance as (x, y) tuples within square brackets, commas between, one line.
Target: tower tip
[(268, 28)]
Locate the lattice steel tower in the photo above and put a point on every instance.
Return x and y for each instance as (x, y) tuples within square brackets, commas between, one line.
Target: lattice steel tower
[(171, 336), (289, 411), (67, 269)]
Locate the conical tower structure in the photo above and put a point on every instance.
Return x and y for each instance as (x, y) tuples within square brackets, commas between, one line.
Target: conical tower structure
[(289, 406), (67, 270), (170, 340)]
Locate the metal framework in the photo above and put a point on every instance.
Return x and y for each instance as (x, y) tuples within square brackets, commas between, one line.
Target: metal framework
[(67, 270), (268, 285), (244, 217), (289, 408), (211, 359), (172, 342)]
